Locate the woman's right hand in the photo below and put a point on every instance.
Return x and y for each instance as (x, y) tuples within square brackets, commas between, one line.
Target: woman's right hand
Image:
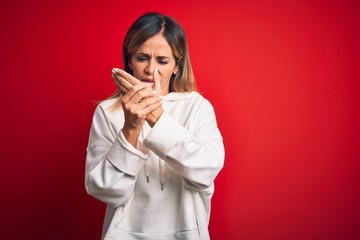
[(137, 101)]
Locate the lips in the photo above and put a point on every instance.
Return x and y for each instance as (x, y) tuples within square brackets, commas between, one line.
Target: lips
[(148, 81)]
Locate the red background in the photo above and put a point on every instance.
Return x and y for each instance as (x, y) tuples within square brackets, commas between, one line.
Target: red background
[(283, 77)]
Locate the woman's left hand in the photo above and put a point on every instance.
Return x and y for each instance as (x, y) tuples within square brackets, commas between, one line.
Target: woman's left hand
[(154, 115)]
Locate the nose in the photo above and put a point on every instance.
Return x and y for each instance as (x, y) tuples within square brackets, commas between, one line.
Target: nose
[(150, 66)]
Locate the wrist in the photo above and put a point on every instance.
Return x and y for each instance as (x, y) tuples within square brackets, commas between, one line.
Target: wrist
[(154, 116), (131, 135)]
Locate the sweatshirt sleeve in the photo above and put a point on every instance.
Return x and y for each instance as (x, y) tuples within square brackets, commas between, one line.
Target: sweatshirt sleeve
[(112, 163), (196, 153)]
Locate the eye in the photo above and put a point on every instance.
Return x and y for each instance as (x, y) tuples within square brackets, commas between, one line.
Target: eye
[(162, 61), (141, 58)]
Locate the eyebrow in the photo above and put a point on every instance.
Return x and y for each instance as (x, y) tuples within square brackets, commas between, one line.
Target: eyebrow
[(148, 55)]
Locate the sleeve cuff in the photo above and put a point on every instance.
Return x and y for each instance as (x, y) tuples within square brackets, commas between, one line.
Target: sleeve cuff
[(164, 135), (125, 157)]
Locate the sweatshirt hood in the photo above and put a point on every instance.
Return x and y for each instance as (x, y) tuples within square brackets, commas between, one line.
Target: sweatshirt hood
[(178, 96)]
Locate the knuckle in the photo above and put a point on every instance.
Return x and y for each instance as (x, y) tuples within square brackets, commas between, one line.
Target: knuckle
[(133, 111), (122, 100), (145, 101), (141, 94), (139, 115), (139, 86)]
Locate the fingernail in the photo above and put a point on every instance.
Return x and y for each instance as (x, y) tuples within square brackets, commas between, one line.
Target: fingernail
[(154, 92), (156, 70)]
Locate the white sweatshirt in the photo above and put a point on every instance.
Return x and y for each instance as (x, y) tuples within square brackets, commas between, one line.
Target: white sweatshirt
[(184, 151)]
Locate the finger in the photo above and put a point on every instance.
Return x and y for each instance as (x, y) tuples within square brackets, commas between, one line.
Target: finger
[(140, 111), (143, 94), (157, 80), (123, 83), (137, 88), (149, 101), (120, 81), (120, 87), (126, 76)]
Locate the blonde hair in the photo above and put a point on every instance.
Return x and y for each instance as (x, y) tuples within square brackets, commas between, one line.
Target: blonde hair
[(149, 25)]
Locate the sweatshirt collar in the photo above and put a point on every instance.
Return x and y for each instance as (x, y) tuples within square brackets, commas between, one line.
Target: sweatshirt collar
[(176, 96)]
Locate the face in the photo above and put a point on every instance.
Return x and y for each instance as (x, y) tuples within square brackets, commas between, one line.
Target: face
[(154, 53)]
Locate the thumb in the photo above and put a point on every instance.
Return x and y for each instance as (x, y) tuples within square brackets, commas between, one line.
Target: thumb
[(157, 81)]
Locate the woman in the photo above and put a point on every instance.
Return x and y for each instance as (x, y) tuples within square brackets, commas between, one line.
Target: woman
[(154, 147)]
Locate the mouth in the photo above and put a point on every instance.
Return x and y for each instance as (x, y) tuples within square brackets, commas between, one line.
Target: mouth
[(148, 81)]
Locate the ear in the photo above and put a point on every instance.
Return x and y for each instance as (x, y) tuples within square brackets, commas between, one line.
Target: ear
[(176, 69), (130, 66)]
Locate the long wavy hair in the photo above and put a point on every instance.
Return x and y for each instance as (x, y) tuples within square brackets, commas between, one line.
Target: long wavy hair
[(149, 25)]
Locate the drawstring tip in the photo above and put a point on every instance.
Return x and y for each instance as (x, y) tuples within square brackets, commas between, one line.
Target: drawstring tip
[(147, 179), (162, 186)]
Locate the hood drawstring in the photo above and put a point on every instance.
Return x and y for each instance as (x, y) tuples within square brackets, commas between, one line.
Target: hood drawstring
[(144, 150), (146, 164), (147, 172), (162, 173)]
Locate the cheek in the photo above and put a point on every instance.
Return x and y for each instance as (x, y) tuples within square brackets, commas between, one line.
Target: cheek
[(136, 71), (167, 73), (165, 78)]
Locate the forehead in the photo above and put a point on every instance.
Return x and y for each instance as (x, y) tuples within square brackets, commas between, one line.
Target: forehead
[(156, 45)]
